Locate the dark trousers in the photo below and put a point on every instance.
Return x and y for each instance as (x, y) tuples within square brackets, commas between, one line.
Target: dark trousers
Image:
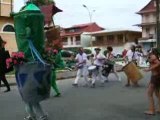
[(107, 70), (4, 80)]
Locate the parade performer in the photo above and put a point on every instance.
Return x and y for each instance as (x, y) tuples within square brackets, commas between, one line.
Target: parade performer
[(55, 59), (59, 63), (98, 62), (110, 61), (154, 84), (34, 76), (131, 56), (81, 65)]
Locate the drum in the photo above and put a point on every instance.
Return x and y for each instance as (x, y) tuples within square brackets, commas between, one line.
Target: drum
[(92, 68), (132, 72)]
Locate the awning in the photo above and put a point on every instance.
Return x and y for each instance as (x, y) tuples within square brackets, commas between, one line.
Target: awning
[(147, 41)]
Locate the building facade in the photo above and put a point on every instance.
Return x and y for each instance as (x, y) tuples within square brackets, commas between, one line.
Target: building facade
[(7, 24), (115, 38), (71, 36), (148, 25)]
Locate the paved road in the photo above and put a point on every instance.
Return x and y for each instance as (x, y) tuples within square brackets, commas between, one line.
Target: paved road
[(112, 102)]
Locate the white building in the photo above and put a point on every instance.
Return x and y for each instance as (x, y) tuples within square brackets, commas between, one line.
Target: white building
[(148, 24)]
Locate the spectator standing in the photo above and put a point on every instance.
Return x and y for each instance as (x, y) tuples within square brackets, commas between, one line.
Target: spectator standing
[(3, 65)]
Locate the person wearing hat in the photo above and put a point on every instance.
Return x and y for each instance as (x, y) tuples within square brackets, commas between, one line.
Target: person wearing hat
[(98, 62), (3, 65)]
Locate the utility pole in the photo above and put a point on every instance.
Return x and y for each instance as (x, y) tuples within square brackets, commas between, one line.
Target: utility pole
[(157, 24), (90, 13)]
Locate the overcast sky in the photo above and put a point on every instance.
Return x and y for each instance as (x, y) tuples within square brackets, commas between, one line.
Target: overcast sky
[(108, 13)]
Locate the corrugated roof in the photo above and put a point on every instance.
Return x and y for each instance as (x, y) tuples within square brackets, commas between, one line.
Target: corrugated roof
[(150, 7), (116, 30)]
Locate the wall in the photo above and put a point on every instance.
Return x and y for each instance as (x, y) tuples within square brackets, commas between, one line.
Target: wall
[(11, 41), (149, 18), (5, 7)]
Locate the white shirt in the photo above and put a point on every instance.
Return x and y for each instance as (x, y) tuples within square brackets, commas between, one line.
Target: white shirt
[(81, 58), (97, 59), (131, 55)]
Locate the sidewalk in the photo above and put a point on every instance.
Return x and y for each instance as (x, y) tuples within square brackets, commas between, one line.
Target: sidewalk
[(60, 75)]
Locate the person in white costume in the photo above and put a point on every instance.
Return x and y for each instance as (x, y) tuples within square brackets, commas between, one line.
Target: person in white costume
[(81, 59), (98, 62)]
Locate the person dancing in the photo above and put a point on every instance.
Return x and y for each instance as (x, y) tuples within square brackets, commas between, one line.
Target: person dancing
[(154, 84)]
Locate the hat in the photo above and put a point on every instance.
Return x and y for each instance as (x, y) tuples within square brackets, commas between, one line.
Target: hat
[(97, 48)]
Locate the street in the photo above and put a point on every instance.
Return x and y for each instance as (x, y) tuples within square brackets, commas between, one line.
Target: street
[(111, 102)]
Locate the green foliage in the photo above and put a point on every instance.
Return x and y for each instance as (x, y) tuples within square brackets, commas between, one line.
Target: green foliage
[(105, 52), (66, 53), (87, 51)]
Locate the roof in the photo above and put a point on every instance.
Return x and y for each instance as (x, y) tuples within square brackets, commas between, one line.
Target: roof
[(83, 25), (49, 11), (146, 24), (80, 28), (116, 30), (150, 7)]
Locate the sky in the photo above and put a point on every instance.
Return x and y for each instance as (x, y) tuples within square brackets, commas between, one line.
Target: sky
[(106, 13)]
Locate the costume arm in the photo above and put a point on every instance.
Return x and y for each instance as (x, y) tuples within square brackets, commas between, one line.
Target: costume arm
[(59, 63)]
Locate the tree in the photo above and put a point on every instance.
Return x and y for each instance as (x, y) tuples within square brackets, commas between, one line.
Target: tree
[(41, 2)]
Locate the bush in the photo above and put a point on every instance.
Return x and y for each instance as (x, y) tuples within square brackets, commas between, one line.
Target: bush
[(87, 51), (66, 53), (105, 52)]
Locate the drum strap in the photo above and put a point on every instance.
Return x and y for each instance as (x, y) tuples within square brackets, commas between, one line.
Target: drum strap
[(133, 55)]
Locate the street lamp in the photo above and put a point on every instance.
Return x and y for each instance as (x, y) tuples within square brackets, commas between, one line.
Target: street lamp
[(90, 13)]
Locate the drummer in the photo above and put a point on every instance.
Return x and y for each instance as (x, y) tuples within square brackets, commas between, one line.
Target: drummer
[(98, 62), (81, 59), (111, 63), (131, 55)]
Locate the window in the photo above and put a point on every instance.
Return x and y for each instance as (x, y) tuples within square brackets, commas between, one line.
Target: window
[(77, 38), (73, 30), (8, 28), (100, 38), (147, 30), (120, 37), (65, 41), (110, 37)]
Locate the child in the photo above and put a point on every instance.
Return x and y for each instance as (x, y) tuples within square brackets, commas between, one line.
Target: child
[(154, 84)]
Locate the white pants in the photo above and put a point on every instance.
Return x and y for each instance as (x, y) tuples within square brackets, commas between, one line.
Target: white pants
[(82, 72), (97, 74)]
